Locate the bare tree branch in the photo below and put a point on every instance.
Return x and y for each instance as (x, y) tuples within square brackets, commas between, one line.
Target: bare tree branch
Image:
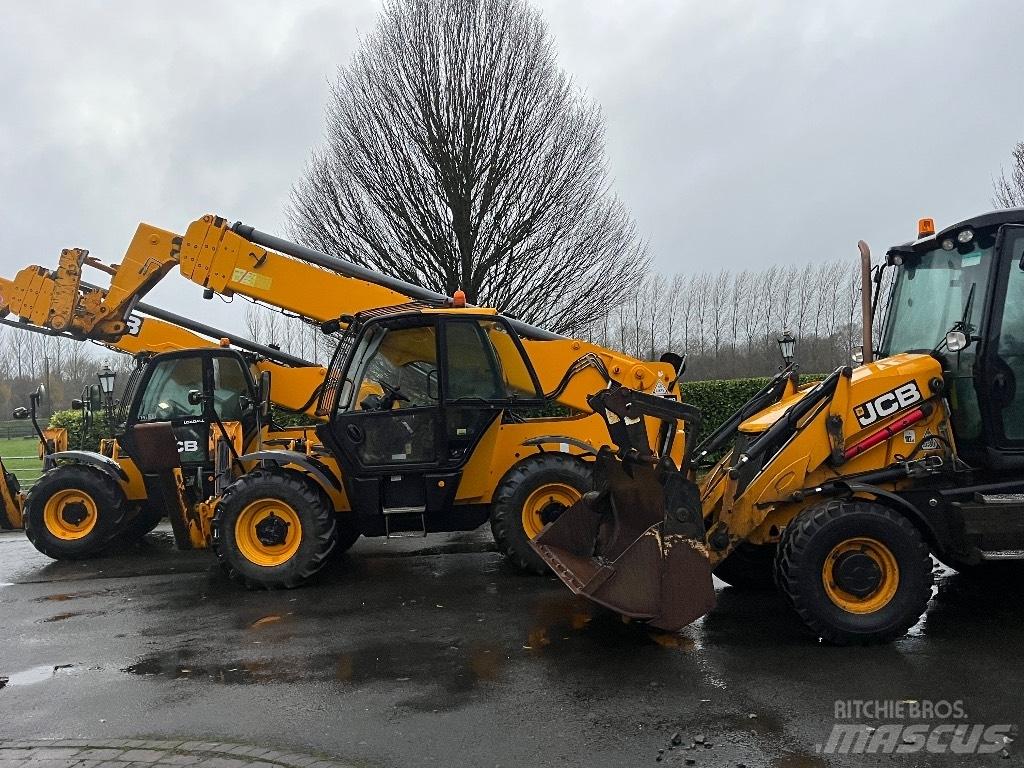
[(460, 156)]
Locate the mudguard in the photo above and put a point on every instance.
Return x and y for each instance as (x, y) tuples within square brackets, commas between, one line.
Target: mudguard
[(93, 459), (315, 469)]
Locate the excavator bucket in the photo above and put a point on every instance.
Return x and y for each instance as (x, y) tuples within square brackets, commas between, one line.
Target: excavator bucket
[(636, 543)]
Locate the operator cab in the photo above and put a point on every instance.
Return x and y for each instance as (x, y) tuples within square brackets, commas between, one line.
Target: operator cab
[(172, 405), (409, 397), (968, 281)]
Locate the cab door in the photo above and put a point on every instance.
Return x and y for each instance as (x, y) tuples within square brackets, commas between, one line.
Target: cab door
[(416, 397), (1000, 380)]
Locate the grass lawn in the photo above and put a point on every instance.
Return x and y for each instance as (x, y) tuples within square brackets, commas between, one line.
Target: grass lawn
[(19, 457)]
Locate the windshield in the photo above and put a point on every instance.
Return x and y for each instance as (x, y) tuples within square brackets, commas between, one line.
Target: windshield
[(931, 293)]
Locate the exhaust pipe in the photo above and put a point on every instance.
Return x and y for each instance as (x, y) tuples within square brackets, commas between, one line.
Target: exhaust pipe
[(867, 316)]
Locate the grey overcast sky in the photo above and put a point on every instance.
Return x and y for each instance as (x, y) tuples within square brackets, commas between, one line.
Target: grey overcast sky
[(739, 133)]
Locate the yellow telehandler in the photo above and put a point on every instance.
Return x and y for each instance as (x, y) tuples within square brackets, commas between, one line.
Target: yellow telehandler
[(445, 412), (840, 490), (64, 531)]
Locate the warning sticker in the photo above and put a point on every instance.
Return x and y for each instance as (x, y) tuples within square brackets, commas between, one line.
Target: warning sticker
[(252, 279)]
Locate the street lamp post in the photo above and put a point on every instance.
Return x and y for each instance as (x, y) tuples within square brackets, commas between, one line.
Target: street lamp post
[(787, 347), (107, 377)]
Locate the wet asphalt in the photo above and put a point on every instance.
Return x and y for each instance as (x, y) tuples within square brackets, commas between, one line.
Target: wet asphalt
[(435, 652)]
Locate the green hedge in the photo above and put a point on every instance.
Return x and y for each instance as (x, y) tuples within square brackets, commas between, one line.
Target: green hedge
[(718, 400), (74, 423)]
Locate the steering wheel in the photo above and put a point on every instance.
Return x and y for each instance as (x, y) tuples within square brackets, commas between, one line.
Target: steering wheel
[(392, 395)]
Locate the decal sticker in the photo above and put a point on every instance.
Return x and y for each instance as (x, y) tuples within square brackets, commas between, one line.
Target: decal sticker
[(887, 403), (188, 446), (252, 279), (134, 323), (910, 437)]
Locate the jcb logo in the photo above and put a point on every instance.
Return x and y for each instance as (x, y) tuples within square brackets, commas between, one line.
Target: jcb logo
[(887, 404), (188, 446)]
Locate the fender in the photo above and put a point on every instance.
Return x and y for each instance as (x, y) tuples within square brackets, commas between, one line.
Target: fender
[(539, 442), (93, 459), (310, 466), (939, 538)]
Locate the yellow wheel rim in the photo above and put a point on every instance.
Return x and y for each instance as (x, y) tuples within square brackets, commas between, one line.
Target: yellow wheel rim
[(70, 514), (860, 575), (268, 532), (545, 503)]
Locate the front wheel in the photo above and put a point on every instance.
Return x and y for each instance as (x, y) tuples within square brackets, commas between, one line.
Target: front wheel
[(532, 494), (273, 530), (73, 512), (855, 571)]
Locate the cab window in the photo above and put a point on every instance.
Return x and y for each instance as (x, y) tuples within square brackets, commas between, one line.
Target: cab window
[(396, 368), (230, 385), (166, 395), (472, 367), (1007, 367)]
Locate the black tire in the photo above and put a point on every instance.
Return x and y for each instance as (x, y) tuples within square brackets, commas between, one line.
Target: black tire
[(145, 520), (347, 535), (518, 485), (312, 513), (102, 493), (749, 567), (802, 561)]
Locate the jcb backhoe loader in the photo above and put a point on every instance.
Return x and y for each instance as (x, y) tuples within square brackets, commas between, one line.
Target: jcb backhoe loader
[(852, 481), (524, 470)]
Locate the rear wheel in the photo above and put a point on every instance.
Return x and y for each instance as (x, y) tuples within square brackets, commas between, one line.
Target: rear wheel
[(532, 494), (348, 534), (855, 571), (73, 512), (749, 566), (273, 530)]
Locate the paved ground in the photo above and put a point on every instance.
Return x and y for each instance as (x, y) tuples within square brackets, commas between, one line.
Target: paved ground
[(433, 652)]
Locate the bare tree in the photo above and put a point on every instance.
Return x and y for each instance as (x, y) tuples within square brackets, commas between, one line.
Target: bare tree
[(459, 156), (1008, 190)]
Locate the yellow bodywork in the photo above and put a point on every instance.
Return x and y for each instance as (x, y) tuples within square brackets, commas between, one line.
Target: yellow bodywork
[(758, 512)]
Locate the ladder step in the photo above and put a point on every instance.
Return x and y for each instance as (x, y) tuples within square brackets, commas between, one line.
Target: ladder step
[(1004, 554), (999, 498)]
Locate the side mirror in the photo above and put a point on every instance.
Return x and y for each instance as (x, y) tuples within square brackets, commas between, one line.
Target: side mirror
[(20, 412), (195, 397), (956, 341), (264, 393), (77, 405)]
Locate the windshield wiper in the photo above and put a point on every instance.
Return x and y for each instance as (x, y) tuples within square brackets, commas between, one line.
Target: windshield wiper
[(963, 324)]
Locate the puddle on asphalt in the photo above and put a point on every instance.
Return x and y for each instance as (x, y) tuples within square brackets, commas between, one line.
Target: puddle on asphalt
[(60, 617), (61, 597), (35, 675)]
